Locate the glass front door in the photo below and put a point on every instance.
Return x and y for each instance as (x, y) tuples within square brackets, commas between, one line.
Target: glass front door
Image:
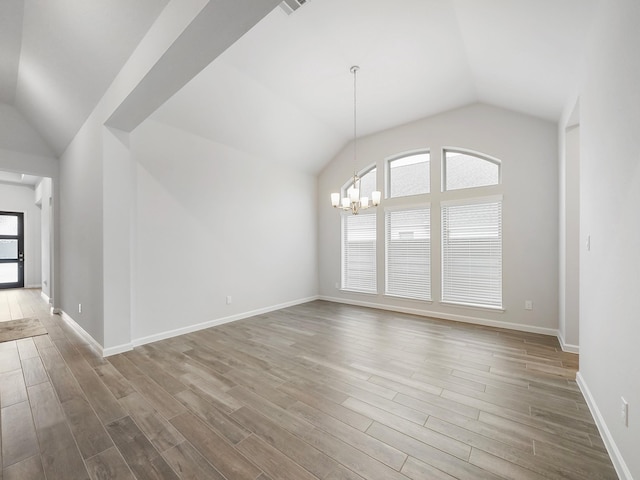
[(11, 250)]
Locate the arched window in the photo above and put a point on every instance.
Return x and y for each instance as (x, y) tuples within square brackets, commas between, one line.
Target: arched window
[(470, 224), (471, 231), (463, 169), (408, 174), (367, 183)]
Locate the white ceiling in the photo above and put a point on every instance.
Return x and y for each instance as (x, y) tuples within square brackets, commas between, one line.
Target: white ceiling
[(284, 91), (58, 57)]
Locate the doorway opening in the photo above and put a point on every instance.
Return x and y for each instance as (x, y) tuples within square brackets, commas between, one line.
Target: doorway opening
[(11, 249), (26, 232)]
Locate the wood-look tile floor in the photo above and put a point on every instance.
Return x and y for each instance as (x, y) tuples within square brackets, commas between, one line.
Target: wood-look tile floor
[(319, 390)]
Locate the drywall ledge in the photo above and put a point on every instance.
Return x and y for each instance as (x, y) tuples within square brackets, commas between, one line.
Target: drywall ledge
[(616, 457), (446, 316)]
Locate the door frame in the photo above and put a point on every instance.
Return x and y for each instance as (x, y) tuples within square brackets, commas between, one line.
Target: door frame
[(20, 259)]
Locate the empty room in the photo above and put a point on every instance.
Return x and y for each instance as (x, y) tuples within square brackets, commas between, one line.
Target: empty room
[(321, 239)]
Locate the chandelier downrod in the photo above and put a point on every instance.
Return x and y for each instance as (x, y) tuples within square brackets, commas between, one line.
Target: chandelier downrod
[(353, 202)]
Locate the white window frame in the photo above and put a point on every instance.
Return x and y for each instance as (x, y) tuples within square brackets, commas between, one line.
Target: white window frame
[(399, 156), (473, 153)]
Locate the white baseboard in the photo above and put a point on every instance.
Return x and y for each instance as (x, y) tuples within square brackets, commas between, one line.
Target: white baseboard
[(567, 347), (616, 457), (81, 331), (45, 297), (219, 321), (33, 286), (125, 347), (447, 316)]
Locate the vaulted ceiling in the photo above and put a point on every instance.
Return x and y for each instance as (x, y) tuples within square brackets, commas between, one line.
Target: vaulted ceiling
[(57, 57), (284, 91)]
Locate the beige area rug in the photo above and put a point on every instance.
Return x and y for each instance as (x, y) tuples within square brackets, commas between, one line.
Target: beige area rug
[(23, 328)]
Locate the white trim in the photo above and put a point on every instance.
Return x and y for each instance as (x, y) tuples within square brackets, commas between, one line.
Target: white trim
[(567, 347), (447, 316), (408, 153), (616, 457), (473, 306), (219, 321), (408, 205), (475, 153), (125, 347), (372, 293), (398, 156), (45, 297), (422, 300), (81, 331), (475, 200), (33, 286)]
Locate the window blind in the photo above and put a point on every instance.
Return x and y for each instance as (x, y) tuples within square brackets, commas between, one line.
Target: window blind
[(359, 253), (408, 253), (472, 253)]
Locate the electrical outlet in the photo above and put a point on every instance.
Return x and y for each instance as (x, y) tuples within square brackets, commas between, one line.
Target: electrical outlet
[(624, 412), (528, 305), (228, 299), (79, 308)]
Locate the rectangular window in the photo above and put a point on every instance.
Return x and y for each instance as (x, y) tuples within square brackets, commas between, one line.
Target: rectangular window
[(472, 252), (359, 253), (408, 258)]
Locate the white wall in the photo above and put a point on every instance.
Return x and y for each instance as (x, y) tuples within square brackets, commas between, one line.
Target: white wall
[(17, 135), (94, 168), (210, 222), (21, 198), (610, 198), (81, 230), (22, 150), (569, 279), (118, 209), (82, 200), (528, 149), (45, 200)]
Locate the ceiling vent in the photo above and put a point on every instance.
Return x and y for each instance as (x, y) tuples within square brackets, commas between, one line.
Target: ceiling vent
[(290, 6)]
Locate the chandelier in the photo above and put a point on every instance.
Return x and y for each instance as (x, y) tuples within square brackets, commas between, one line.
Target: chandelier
[(353, 202)]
